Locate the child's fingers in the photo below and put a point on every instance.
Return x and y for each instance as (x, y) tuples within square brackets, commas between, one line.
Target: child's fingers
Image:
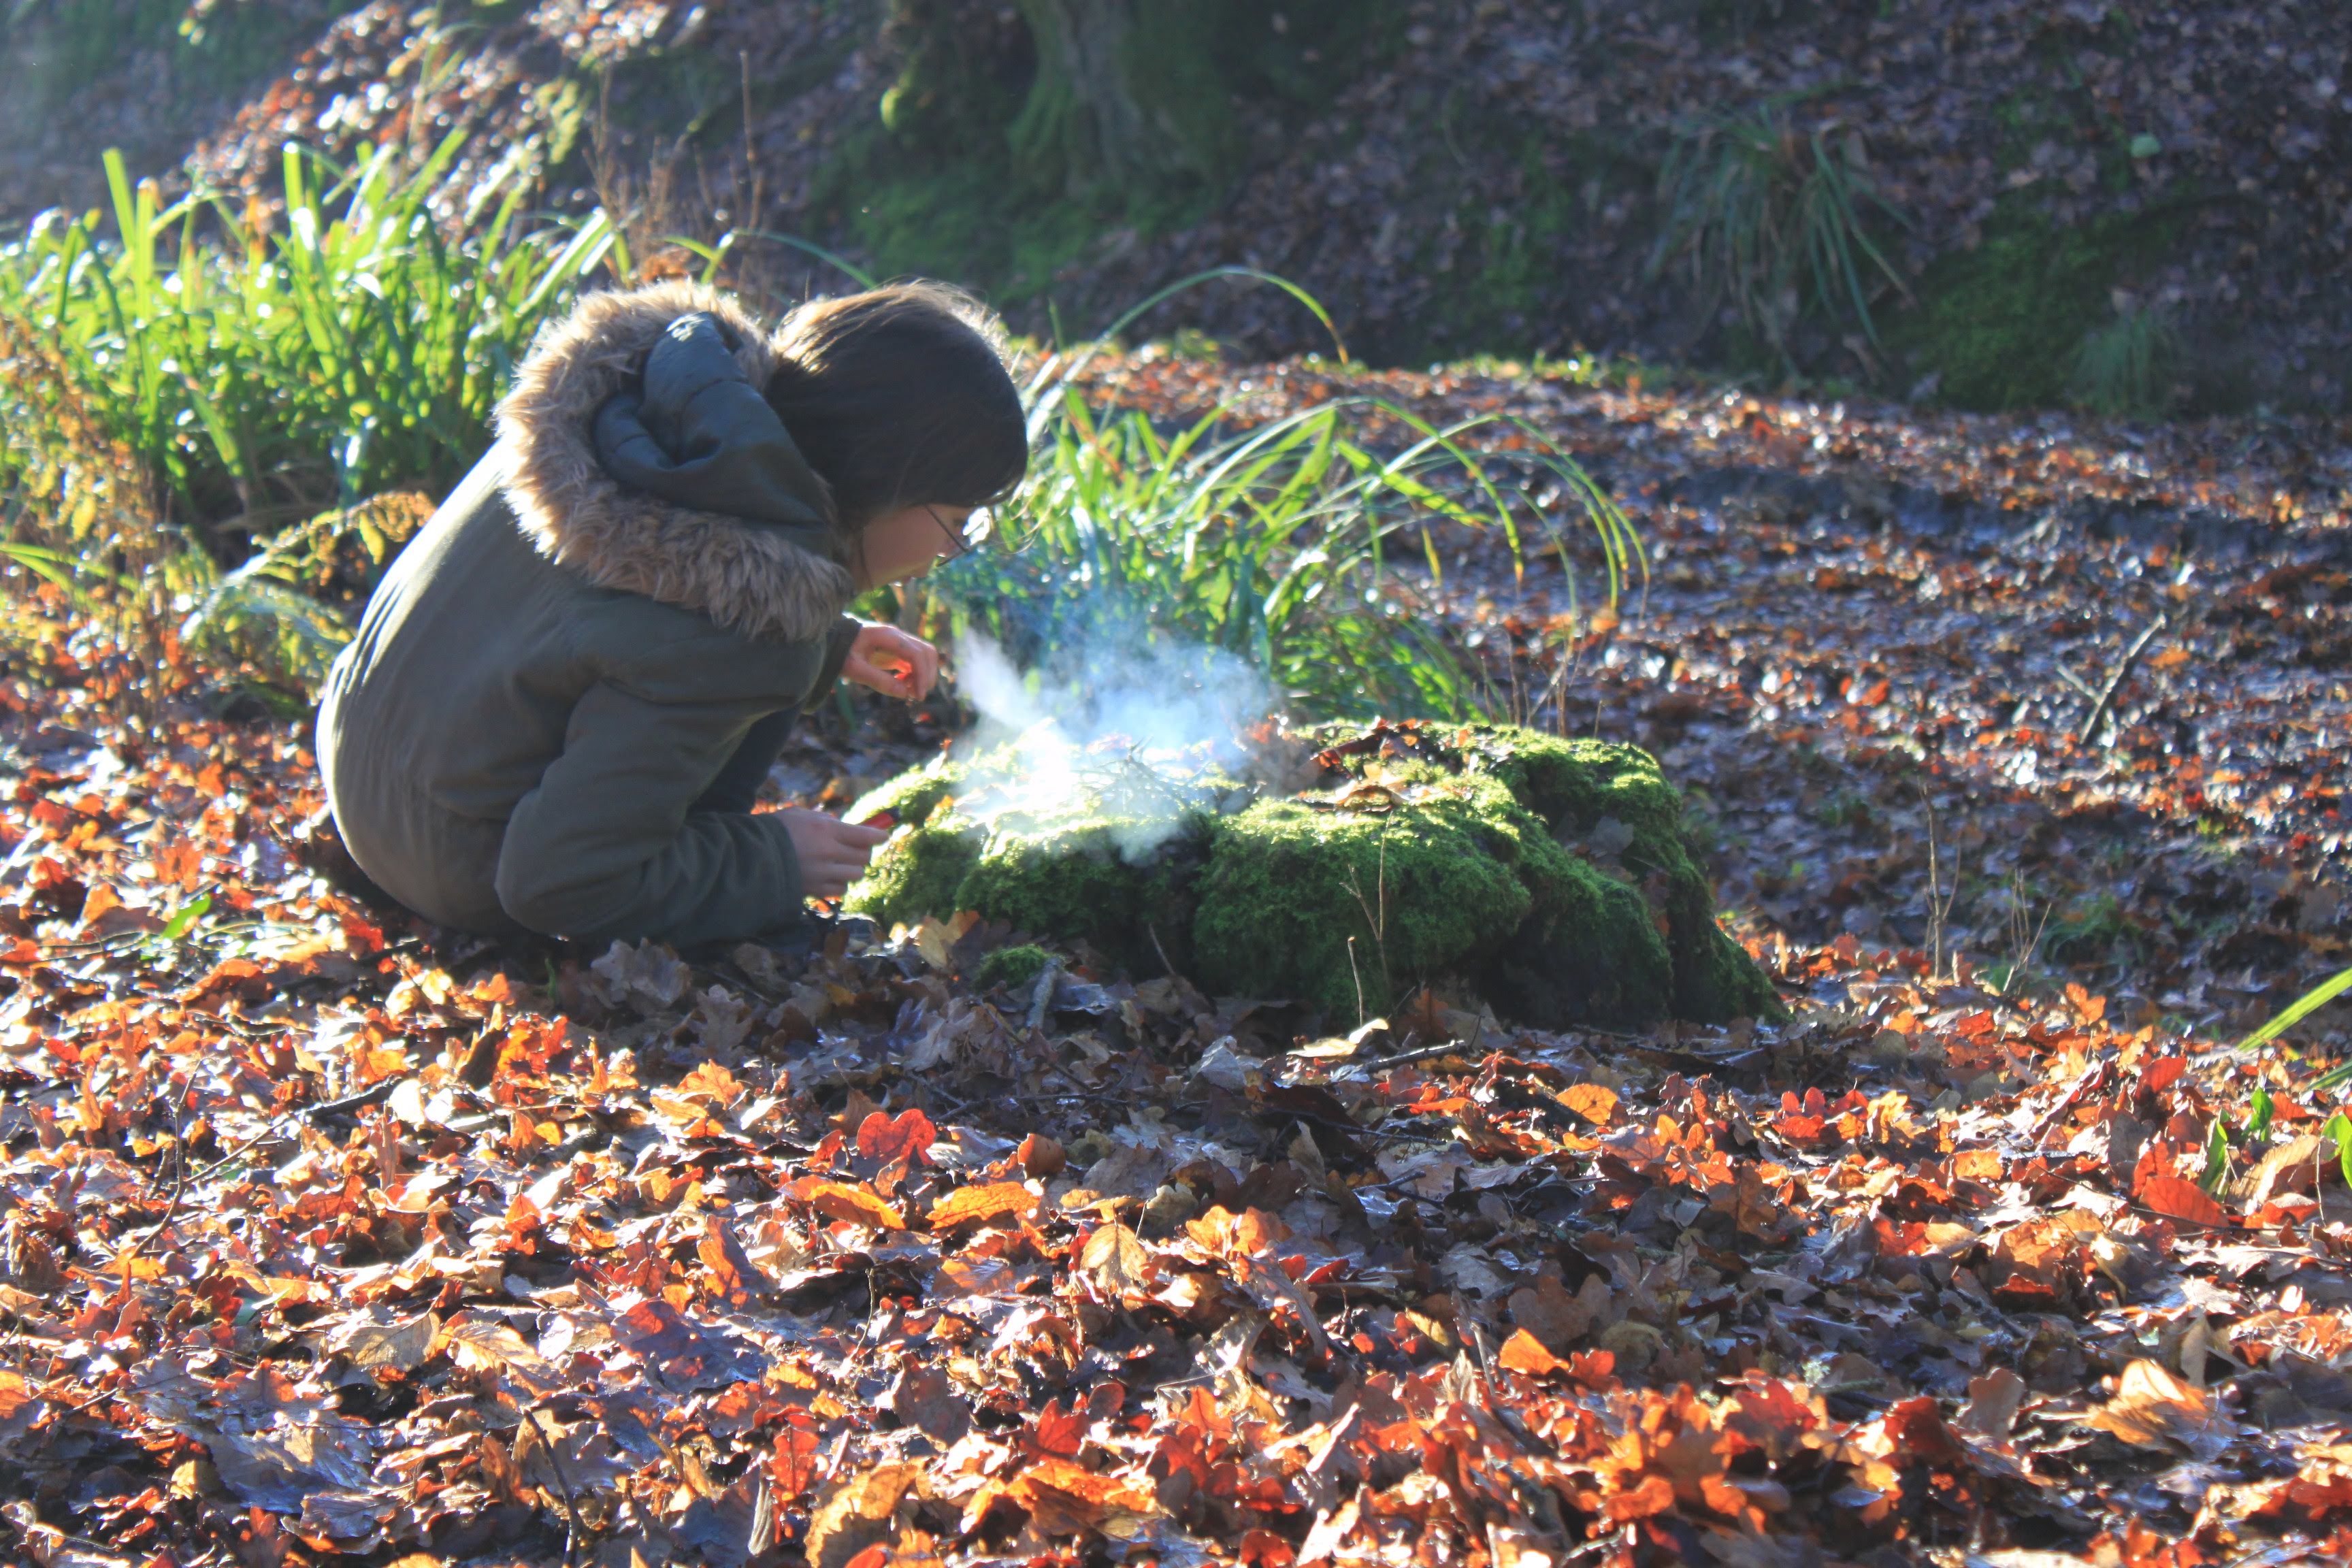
[(874, 677)]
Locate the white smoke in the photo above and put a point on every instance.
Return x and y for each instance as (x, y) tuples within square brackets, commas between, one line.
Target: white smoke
[(1132, 738)]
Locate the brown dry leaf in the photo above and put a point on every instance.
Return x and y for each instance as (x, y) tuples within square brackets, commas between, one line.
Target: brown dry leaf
[(2317, 1495), (907, 1136), (1231, 1235), (857, 1512), (1041, 1156), (925, 1399), (713, 1082), (967, 1206), (839, 1200), (1993, 1399), (2177, 1197), (389, 1347), (1115, 1261), (484, 1344), (1558, 1319), (2151, 1406), (1065, 1497)]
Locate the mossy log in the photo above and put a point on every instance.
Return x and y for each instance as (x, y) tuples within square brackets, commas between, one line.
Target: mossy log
[(1555, 877)]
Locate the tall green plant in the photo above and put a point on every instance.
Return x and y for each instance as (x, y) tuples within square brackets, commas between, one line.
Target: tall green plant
[(263, 369), (1274, 544), (1775, 220)]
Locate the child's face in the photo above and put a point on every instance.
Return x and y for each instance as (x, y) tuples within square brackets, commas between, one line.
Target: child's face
[(909, 542)]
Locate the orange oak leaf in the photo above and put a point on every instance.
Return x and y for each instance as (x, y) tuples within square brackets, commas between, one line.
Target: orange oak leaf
[(839, 1200), (967, 1206)]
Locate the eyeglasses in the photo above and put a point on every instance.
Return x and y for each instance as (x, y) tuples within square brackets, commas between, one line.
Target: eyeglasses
[(975, 532)]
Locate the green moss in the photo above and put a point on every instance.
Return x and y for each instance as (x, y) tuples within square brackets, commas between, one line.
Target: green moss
[(1574, 785), (1014, 966), (1074, 882), (1589, 950), (1621, 824), (1289, 886), (1557, 877), (917, 873), (1065, 878), (913, 795), (2001, 326)]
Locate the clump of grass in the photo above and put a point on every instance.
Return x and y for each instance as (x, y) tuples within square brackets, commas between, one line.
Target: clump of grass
[(197, 397), (261, 368), (214, 406), (1275, 544), (1776, 220), (2125, 368)]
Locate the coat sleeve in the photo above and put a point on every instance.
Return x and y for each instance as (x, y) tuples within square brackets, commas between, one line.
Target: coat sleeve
[(836, 654), (609, 846), (737, 787)]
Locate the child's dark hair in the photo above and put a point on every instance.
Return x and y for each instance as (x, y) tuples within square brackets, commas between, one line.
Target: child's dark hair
[(899, 398)]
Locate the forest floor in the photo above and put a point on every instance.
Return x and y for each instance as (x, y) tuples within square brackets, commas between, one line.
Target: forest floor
[(320, 1234)]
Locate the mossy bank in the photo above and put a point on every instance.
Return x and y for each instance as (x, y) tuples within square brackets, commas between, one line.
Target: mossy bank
[(1555, 879)]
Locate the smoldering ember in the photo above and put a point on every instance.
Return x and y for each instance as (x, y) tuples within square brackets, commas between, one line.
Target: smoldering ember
[(1098, 781)]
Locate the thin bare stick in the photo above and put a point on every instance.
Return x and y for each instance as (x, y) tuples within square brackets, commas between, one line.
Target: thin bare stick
[(1939, 902), (2115, 685), (571, 1512), (1357, 975), (1377, 920), (1152, 931)]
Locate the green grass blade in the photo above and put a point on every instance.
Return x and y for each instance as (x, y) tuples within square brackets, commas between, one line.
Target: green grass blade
[(2301, 1007)]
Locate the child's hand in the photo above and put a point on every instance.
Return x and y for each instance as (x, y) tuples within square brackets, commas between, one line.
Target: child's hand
[(894, 663), (833, 853)]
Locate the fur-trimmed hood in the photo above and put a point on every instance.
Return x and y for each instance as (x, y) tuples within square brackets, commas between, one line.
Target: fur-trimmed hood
[(775, 578)]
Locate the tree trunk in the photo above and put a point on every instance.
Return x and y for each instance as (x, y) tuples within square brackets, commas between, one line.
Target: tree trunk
[(1127, 98)]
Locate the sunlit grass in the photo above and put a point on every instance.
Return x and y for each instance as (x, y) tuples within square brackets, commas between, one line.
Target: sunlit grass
[(212, 414), (260, 367)]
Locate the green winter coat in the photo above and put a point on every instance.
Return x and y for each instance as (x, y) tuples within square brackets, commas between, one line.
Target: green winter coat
[(568, 688)]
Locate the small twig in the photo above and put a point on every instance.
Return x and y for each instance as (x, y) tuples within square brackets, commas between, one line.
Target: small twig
[(2115, 685), (1939, 902), (1429, 1053), (179, 1177), (571, 1513), (1153, 933), (374, 1094)]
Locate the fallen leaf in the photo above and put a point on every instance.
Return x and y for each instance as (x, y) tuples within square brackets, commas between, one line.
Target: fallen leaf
[(967, 1205), (1524, 1353), (855, 1512), (839, 1200), (2152, 1408), (907, 1136), (2178, 1198), (1115, 1260)]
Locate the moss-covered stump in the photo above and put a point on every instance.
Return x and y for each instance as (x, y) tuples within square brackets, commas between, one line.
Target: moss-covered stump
[(1556, 877)]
